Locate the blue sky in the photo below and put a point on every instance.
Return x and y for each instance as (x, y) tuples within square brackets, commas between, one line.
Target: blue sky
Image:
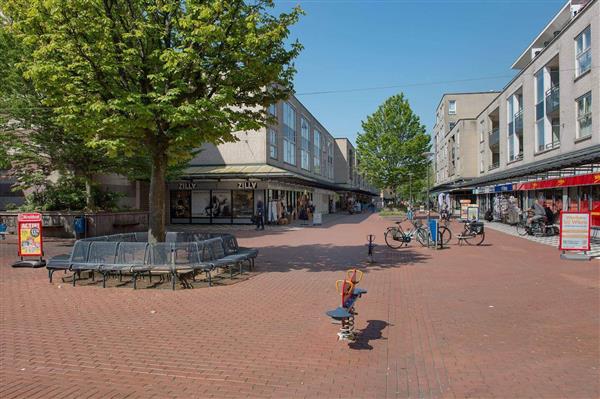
[(351, 44)]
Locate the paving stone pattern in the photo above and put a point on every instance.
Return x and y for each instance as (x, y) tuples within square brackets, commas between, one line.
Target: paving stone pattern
[(505, 320)]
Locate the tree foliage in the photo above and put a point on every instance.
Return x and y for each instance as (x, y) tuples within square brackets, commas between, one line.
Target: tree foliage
[(391, 145), (157, 76), (34, 146)]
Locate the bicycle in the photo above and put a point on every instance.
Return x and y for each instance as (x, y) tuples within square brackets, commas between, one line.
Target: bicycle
[(473, 233), (395, 234), (444, 235), (536, 228)]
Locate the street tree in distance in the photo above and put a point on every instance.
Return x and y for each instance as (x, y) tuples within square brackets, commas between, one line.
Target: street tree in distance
[(157, 77), (391, 146)]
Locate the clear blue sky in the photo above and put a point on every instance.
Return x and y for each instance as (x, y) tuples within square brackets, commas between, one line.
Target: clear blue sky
[(352, 44)]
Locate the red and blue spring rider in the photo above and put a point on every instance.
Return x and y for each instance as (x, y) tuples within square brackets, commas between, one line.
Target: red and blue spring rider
[(344, 314)]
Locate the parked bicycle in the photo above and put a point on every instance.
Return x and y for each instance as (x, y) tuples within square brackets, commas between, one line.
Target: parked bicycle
[(536, 228), (473, 233), (396, 236)]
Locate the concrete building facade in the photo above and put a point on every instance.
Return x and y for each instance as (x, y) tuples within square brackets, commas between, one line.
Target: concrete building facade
[(543, 128)]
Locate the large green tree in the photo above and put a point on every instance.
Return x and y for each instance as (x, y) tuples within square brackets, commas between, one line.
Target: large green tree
[(157, 76), (391, 147), (32, 144)]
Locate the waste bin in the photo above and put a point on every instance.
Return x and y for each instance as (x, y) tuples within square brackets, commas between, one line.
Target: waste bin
[(79, 226)]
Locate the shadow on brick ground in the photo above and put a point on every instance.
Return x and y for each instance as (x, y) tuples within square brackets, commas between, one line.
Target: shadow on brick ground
[(327, 257)]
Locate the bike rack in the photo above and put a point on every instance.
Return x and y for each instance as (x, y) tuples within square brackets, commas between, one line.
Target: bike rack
[(370, 246)]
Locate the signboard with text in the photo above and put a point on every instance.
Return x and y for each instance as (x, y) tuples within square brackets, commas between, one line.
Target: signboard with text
[(574, 231), (464, 208), (30, 234), (473, 212)]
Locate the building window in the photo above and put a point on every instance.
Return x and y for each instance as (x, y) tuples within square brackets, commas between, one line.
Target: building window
[(451, 107), (540, 114), (451, 126), (584, 115), (289, 134), (273, 143), (273, 109), (317, 151), (583, 51), (305, 144)]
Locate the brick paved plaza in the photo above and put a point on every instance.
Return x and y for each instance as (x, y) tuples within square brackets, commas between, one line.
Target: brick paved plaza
[(505, 320)]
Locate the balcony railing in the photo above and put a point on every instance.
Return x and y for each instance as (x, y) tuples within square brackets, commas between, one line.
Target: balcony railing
[(518, 157), (548, 146), (519, 122), (493, 166), (494, 137), (552, 99)]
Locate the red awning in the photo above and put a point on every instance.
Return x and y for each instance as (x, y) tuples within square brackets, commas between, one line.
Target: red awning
[(581, 180)]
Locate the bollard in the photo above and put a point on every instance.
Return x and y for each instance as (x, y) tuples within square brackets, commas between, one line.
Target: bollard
[(370, 246)]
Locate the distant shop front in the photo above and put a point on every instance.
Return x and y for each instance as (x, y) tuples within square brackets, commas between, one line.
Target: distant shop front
[(236, 201), (579, 193)]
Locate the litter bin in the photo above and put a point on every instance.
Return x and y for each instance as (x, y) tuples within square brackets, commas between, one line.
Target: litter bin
[(79, 226)]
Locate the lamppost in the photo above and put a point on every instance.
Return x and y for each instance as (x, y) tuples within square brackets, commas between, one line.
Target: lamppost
[(410, 174), (428, 154)]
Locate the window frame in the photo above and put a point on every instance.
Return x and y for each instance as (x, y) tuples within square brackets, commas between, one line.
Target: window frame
[(585, 51), (289, 140), (579, 117), (272, 136), (450, 110), (305, 157)]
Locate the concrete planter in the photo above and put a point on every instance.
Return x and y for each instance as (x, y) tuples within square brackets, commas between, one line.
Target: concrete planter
[(61, 224)]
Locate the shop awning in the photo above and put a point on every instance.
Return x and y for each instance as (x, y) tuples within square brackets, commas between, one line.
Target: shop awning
[(263, 172), (232, 171)]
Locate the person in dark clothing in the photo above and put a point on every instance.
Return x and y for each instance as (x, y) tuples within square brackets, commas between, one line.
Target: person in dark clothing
[(549, 215), (260, 211)]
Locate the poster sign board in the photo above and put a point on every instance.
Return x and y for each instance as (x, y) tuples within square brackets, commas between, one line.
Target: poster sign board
[(574, 231), (464, 208), (473, 212), (317, 218), (30, 234)]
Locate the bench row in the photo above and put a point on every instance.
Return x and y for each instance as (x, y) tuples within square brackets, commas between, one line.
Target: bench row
[(179, 260)]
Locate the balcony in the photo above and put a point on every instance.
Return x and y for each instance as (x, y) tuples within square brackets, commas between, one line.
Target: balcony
[(494, 137), (548, 146), (493, 166), (552, 100), (519, 122), (515, 158)]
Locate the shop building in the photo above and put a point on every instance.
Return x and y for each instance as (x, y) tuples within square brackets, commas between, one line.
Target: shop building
[(540, 136), (291, 167)]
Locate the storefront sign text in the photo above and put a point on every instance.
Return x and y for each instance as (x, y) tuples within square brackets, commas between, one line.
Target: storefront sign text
[(247, 185), (187, 186), (574, 231)]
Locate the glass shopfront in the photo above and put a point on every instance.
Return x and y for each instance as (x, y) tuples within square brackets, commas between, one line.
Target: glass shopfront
[(213, 206)]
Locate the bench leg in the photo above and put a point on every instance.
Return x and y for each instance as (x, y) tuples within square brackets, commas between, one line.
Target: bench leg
[(50, 275), (173, 281), (209, 278)]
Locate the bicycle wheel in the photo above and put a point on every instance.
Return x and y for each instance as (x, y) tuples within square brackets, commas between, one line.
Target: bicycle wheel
[(389, 238), (475, 239), (422, 236), (444, 235), (521, 229)]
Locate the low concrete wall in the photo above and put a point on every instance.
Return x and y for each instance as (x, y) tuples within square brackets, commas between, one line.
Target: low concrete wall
[(60, 224)]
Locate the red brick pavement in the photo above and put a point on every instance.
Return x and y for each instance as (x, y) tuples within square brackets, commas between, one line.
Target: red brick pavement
[(505, 320)]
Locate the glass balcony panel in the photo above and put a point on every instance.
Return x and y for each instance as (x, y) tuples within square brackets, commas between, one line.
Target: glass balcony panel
[(539, 111), (552, 99)]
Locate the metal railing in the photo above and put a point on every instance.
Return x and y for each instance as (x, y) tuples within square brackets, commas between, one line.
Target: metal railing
[(493, 166), (494, 136), (552, 99), (519, 122), (548, 146)]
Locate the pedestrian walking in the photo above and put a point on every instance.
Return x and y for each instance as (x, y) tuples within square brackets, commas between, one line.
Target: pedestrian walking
[(260, 222)]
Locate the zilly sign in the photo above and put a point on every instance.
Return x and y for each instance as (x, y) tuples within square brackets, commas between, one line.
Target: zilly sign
[(247, 185)]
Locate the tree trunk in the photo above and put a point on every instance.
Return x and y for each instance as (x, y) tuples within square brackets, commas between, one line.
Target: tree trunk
[(156, 222), (89, 198)]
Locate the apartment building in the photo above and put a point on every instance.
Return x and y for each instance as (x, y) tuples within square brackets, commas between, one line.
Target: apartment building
[(540, 136), (453, 135), (286, 166)]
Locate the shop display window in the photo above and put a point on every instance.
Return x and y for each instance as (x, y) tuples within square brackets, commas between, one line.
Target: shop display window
[(596, 205), (243, 204), (180, 206), (221, 206)]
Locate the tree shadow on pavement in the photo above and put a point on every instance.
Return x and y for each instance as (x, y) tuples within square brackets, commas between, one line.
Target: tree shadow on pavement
[(327, 257), (372, 332)]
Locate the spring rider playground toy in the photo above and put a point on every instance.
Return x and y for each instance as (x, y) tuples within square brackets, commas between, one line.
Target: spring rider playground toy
[(344, 314)]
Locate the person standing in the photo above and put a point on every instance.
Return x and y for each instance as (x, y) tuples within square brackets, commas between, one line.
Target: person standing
[(260, 211)]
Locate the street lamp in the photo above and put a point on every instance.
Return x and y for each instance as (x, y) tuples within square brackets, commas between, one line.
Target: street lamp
[(428, 154), (410, 175)]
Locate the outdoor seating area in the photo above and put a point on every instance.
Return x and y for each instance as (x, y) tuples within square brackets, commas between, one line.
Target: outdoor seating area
[(179, 260)]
